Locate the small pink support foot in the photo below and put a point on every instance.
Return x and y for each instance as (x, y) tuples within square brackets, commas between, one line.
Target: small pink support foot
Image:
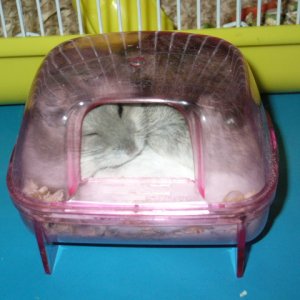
[(241, 249), (48, 250)]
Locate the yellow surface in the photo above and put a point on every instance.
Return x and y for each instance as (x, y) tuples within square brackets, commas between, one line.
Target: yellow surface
[(257, 36), (16, 76), (110, 20), (273, 53), (20, 59), (275, 68), (29, 46)]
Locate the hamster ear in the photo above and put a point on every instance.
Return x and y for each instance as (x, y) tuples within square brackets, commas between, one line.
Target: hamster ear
[(111, 110)]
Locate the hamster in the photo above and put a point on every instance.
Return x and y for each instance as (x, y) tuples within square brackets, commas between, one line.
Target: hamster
[(111, 136), (159, 132)]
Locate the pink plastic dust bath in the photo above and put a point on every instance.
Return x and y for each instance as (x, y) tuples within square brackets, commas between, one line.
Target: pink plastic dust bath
[(144, 138)]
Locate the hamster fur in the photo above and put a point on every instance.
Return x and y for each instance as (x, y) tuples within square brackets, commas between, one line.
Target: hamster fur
[(111, 136), (159, 132), (168, 134)]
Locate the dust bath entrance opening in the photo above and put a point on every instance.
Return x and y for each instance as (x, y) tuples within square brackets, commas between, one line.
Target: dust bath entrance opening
[(136, 152)]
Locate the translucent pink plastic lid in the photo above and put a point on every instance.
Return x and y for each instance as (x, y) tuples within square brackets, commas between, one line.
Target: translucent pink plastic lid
[(206, 79)]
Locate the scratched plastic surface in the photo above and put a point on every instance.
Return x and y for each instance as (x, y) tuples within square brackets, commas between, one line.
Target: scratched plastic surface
[(207, 81)]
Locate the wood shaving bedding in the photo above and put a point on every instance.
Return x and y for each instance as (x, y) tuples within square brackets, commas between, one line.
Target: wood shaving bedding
[(31, 21), (128, 233), (228, 12), (32, 190), (291, 12), (208, 12)]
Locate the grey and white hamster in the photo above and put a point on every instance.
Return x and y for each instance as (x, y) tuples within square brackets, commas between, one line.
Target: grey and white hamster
[(111, 136), (145, 140)]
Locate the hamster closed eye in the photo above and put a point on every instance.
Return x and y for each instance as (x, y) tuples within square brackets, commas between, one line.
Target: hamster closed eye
[(111, 136)]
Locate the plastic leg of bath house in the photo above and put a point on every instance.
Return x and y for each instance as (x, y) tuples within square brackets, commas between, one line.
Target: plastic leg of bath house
[(48, 250), (241, 249)]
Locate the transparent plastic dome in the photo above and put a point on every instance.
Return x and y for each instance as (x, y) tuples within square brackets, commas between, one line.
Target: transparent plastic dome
[(148, 129)]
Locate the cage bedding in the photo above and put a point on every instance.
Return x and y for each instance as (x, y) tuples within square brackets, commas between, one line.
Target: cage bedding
[(228, 12), (31, 21)]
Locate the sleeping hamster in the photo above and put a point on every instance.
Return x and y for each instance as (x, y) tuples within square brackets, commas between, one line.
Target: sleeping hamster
[(136, 141), (111, 136)]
